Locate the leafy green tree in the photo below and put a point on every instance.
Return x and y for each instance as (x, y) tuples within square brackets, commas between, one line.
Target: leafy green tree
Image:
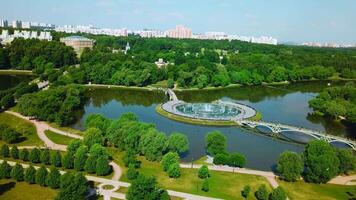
[(24, 155), (131, 159), (132, 173), (205, 185), (10, 136), (68, 160), (178, 142), (278, 194), (215, 142), (221, 159), (203, 172), (144, 188), (45, 157), (5, 152), (6, 102), (56, 159), (152, 144), (73, 146), (236, 160), (169, 159), (290, 166), (174, 170), (53, 178), (41, 176), (97, 150), (97, 121), (30, 175), (261, 193), (35, 155), (347, 160), (102, 166), (5, 170), (17, 172), (14, 152), (246, 191), (80, 157), (92, 136), (73, 186), (321, 162), (90, 164)]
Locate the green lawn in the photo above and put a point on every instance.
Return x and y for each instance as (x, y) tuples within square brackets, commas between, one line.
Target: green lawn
[(65, 128), (27, 129), (224, 185), (12, 190), (309, 191), (57, 138)]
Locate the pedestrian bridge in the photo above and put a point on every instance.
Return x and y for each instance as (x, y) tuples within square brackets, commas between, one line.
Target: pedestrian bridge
[(172, 95), (277, 129)]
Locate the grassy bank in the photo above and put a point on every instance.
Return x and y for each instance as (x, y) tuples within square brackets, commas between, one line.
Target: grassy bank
[(302, 190), (16, 72), (57, 138), (10, 189), (100, 86), (171, 116), (27, 129), (65, 128)]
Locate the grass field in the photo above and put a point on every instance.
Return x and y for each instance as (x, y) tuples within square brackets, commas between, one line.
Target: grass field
[(222, 184), (309, 191), (65, 128), (57, 138), (12, 190), (27, 129), (16, 72)]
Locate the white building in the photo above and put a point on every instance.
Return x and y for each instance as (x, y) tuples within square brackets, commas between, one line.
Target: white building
[(6, 38), (92, 30)]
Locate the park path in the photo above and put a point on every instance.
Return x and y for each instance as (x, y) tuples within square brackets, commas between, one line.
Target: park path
[(43, 126), (344, 180)]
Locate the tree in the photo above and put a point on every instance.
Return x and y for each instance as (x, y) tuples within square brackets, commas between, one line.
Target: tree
[(130, 159), (290, 166), (53, 178), (5, 170), (205, 186), (35, 155), (68, 160), (92, 136), (174, 170), (30, 175), (321, 162), (10, 136), (261, 193), (24, 155), (45, 157), (347, 160), (17, 172), (221, 159), (177, 142), (236, 160), (97, 121), (203, 172), (215, 142), (132, 173), (102, 166), (144, 188), (90, 164), (73, 186), (169, 159), (14, 152), (7, 101), (56, 159), (41, 176), (97, 150), (246, 191), (5, 152), (73, 146), (80, 157), (278, 194)]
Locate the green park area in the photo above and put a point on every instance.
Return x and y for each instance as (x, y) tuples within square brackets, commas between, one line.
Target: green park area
[(57, 138), (10, 189)]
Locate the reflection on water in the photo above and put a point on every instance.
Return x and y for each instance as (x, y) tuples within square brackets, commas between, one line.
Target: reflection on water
[(284, 104), (9, 81)]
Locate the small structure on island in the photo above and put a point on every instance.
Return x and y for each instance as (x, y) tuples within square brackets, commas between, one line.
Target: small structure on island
[(160, 63), (79, 43)]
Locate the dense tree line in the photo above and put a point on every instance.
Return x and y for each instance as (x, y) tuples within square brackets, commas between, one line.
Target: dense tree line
[(319, 163), (337, 102), (9, 96), (27, 54), (54, 105)]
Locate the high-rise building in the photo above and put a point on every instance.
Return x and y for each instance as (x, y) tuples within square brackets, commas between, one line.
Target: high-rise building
[(4, 23), (180, 32), (16, 24)]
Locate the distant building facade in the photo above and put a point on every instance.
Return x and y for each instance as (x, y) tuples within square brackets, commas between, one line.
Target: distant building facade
[(180, 32), (78, 42), (6, 38)]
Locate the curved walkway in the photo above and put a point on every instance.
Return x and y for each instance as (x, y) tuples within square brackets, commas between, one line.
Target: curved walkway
[(43, 126)]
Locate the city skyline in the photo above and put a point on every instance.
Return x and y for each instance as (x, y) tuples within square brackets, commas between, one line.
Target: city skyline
[(296, 21)]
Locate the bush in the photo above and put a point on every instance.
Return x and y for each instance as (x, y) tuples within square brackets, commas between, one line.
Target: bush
[(290, 166), (30, 175), (278, 194), (90, 164), (262, 193), (174, 170), (72, 186), (45, 157), (56, 159), (246, 191), (5, 170), (17, 172), (10, 136), (205, 186), (221, 159), (35, 155), (169, 159), (347, 160), (53, 178), (203, 172), (14, 152), (41, 176), (130, 159), (80, 157), (24, 155), (5, 152), (236, 160), (68, 160)]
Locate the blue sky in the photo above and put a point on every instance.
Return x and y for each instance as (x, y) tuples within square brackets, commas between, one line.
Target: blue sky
[(287, 20)]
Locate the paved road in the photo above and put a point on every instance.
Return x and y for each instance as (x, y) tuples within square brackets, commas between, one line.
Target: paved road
[(344, 180)]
